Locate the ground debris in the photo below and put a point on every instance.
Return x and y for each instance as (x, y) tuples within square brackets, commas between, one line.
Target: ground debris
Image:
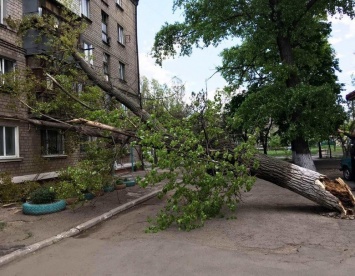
[(337, 215), (9, 205)]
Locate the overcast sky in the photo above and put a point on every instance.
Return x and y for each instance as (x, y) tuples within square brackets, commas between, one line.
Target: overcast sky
[(195, 71)]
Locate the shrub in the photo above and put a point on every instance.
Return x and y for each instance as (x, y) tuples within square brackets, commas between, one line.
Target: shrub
[(43, 195), (66, 189), (15, 192)]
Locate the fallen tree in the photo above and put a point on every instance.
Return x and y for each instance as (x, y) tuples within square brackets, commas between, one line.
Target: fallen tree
[(332, 194)]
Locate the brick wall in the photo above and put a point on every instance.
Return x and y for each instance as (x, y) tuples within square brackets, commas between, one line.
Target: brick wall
[(30, 160), (126, 54)]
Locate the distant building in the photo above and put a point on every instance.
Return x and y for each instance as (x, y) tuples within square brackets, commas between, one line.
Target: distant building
[(109, 43)]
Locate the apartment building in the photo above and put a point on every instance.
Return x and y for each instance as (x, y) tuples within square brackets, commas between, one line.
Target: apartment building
[(109, 44)]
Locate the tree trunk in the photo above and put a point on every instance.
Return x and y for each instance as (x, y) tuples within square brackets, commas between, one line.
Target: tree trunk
[(301, 154), (263, 140), (320, 155), (330, 149), (334, 195)]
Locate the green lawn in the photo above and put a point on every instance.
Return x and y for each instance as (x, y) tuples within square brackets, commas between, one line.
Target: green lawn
[(337, 152)]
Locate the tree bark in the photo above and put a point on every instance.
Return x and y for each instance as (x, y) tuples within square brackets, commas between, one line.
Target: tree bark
[(320, 150), (118, 135), (301, 154), (334, 195)]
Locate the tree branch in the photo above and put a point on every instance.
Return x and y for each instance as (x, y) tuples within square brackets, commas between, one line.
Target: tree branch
[(102, 126), (67, 93)]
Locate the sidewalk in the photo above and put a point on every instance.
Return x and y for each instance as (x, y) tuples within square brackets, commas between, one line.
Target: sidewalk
[(19, 231)]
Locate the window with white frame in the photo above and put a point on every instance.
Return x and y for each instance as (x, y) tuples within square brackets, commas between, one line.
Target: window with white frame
[(104, 24), (119, 2), (9, 142), (2, 11), (120, 34), (77, 87), (52, 142), (85, 8), (87, 47), (106, 66), (6, 66), (121, 71)]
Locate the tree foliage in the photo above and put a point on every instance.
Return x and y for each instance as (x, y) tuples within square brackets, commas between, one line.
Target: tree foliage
[(199, 168), (282, 54), (159, 98)]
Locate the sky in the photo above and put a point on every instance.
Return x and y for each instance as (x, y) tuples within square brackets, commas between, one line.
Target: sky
[(198, 71)]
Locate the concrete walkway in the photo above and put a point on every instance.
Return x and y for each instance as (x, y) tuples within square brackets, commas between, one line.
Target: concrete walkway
[(22, 234)]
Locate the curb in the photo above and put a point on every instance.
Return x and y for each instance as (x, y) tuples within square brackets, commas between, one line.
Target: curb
[(75, 230)]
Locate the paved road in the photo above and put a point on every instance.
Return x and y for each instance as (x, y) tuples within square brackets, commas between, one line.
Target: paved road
[(276, 233)]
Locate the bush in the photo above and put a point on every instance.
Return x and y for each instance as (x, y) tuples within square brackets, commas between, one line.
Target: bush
[(43, 195), (15, 192), (66, 189)]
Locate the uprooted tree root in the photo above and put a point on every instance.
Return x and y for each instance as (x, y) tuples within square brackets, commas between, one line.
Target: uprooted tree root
[(341, 190)]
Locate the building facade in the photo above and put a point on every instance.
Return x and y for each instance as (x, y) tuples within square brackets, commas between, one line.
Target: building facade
[(109, 44)]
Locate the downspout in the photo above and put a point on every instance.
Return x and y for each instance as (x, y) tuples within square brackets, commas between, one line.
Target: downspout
[(137, 52), (138, 75)]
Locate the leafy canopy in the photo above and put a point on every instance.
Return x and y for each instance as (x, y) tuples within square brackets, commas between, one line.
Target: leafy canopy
[(283, 56)]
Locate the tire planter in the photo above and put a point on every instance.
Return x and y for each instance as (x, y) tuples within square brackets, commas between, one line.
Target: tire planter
[(129, 183), (120, 186), (109, 189), (89, 196), (41, 209)]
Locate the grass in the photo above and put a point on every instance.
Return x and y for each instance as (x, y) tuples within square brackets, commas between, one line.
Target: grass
[(336, 152)]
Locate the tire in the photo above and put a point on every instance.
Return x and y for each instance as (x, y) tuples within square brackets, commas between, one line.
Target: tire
[(41, 209), (129, 183), (89, 196), (347, 174), (109, 189)]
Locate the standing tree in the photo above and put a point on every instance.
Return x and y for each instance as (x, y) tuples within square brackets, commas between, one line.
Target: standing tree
[(159, 98), (284, 51)]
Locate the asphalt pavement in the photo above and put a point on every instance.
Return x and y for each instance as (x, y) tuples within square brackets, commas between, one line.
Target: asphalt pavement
[(273, 232)]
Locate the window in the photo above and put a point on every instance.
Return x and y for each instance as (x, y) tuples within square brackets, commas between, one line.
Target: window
[(106, 61), (120, 35), (9, 144), (119, 3), (88, 53), (52, 142), (2, 12), (85, 8), (77, 87), (104, 23), (6, 66), (49, 83), (85, 141), (121, 71)]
